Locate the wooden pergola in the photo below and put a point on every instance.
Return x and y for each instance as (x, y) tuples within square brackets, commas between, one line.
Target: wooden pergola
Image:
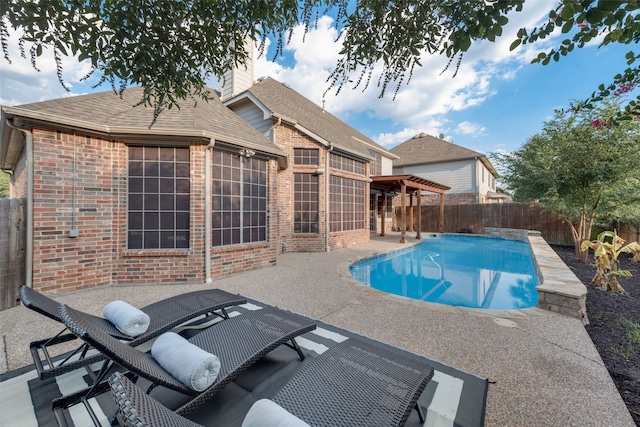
[(408, 183)]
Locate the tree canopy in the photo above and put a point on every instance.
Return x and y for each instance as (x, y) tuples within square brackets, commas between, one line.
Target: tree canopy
[(581, 168), (171, 48), (588, 21)]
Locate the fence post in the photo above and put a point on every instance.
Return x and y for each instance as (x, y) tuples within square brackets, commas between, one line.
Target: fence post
[(12, 243)]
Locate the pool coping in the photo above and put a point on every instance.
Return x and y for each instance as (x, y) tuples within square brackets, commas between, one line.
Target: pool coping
[(559, 292)]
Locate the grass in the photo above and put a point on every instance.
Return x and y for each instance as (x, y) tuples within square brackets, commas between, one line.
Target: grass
[(633, 336)]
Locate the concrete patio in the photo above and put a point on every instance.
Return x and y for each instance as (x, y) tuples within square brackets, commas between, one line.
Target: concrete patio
[(544, 369)]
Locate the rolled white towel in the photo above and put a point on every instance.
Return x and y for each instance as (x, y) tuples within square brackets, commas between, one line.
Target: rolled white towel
[(188, 363), (128, 319), (267, 413)]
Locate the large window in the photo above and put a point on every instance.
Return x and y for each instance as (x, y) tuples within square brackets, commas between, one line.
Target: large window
[(239, 205), (347, 204), (305, 191), (158, 208), (346, 164)]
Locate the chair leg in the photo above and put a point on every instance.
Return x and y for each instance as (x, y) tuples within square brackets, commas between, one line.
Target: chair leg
[(294, 345), (420, 413)]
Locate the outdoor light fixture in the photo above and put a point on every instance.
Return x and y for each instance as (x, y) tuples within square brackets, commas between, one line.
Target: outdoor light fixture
[(245, 152)]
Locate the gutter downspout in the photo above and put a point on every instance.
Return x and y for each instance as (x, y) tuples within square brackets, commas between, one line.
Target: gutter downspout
[(28, 259), (207, 211), (326, 199)]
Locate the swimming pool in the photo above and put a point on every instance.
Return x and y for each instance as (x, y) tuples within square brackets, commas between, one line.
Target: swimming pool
[(466, 271)]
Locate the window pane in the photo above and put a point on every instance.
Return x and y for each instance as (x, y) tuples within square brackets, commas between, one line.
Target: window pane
[(182, 154), (136, 153), (151, 153), (151, 202), (134, 240), (151, 240), (135, 202), (135, 221), (135, 185), (166, 154), (167, 239), (182, 186), (151, 185), (136, 169), (182, 170), (182, 203), (182, 221), (182, 239), (166, 170), (167, 221), (151, 169)]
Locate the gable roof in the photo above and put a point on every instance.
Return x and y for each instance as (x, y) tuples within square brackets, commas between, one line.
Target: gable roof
[(282, 102), (107, 114), (426, 149)]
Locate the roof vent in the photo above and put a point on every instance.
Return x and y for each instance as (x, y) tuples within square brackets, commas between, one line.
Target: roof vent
[(441, 136), (286, 85), (261, 78), (420, 135)]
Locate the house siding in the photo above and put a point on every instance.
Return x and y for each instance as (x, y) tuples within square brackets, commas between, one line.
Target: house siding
[(387, 166), (99, 255), (254, 116), (459, 175)]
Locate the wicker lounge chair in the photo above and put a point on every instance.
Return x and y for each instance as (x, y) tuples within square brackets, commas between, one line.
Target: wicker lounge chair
[(238, 342), (165, 315), (354, 383)]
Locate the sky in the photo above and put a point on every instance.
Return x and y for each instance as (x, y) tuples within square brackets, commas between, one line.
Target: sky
[(497, 100)]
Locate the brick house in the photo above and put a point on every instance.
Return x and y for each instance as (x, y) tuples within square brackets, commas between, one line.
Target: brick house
[(117, 202), (469, 174), (324, 194), (203, 193)]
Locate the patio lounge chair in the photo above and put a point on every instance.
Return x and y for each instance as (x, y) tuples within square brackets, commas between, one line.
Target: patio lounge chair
[(354, 383), (238, 343), (165, 315)]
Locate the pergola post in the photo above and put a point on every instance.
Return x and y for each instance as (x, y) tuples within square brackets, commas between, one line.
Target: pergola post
[(383, 214), (419, 197), (441, 215), (411, 212), (403, 213)]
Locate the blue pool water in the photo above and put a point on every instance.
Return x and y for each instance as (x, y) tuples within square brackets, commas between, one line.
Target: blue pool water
[(466, 271)]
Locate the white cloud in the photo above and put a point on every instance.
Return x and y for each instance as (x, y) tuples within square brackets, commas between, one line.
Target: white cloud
[(422, 105), (20, 83), (468, 128)]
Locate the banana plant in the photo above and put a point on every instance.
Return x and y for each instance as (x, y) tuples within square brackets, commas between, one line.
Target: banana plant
[(607, 255)]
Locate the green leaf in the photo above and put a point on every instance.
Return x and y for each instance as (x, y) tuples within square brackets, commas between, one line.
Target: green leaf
[(609, 5)]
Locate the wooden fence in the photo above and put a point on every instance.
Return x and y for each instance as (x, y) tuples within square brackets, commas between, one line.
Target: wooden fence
[(474, 218), (12, 250)]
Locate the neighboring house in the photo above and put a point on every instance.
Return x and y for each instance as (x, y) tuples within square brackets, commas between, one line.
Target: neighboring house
[(324, 194), (470, 174)]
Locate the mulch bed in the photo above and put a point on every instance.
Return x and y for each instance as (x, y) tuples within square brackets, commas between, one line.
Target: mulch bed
[(607, 313)]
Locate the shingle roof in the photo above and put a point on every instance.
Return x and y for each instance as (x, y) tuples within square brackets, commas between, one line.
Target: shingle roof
[(107, 112), (281, 100), (426, 149)]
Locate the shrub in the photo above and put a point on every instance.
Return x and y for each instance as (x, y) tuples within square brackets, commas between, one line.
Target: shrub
[(607, 259)]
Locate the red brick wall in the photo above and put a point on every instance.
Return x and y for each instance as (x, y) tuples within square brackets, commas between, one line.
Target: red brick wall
[(99, 255), (62, 263), (287, 139)]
